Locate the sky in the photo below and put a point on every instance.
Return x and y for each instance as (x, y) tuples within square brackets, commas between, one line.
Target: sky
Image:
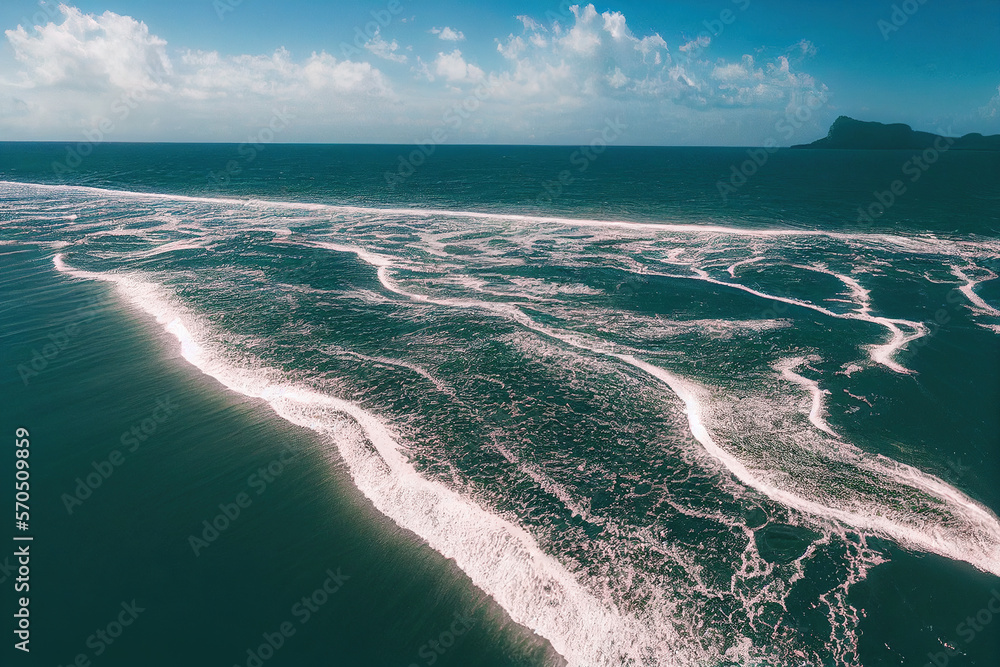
[(678, 72)]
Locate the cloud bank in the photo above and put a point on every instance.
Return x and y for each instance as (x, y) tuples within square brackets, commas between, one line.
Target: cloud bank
[(551, 81)]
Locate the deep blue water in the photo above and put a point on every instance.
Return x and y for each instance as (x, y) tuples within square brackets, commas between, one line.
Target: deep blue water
[(597, 416)]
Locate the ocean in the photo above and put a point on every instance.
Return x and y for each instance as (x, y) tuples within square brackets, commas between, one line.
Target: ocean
[(502, 405)]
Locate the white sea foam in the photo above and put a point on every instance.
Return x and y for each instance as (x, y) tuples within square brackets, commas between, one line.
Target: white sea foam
[(731, 269), (816, 413), (423, 372), (576, 506), (976, 538), (512, 217), (954, 526), (184, 244), (880, 353), (62, 267), (968, 289), (501, 558), (883, 353), (368, 257), (141, 233), (972, 533), (863, 399), (859, 295), (545, 289)]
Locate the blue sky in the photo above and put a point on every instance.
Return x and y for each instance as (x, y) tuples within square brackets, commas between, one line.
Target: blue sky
[(723, 72)]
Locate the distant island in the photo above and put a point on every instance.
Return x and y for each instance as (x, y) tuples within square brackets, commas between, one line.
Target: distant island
[(849, 133)]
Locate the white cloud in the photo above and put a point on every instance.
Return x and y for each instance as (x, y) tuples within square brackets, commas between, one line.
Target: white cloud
[(207, 74), (453, 68), (13, 106), (554, 78), (597, 56), (384, 49), (539, 40), (88, 51), (617, 79), (747, 84), (700, 42), (614, 25), (448, 34), (804, 48), (992, 108), (119, 52), (651, 44), (512, 48), (584, 37), (530, 23), (324, 71), (87, 70), (422, 70)]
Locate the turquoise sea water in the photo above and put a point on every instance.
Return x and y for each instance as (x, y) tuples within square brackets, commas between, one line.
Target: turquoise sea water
[(620, 420)]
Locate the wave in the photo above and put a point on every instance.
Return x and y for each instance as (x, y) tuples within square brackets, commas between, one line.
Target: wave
[(967, 531), (787, 368), (922, 244), (968, 289), (881, 354), (500, 557), (872, 494)]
